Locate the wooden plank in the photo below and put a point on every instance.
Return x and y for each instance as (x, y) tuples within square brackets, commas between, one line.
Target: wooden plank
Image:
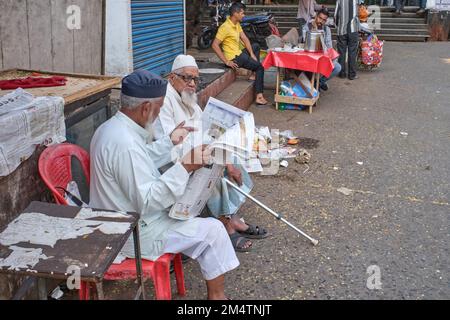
[(14, 27), (1, 53), (40, 29), (295, 100), (95, 252), (79, 86), (97, 37), (88, 39), (62, 37), (277, 92), (82, 46), (4, 73)]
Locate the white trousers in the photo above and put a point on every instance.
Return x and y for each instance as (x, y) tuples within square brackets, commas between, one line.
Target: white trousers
[(211, 247)]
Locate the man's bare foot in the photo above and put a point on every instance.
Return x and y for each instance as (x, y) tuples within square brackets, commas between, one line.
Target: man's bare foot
[(238, 224), (230, 227), (261, 100)]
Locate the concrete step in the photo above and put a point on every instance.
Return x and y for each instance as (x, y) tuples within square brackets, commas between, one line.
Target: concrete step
[(416, 20), (277, 8), (384, 31), (293, 19), (240, 94), (215, 87), (398, 37), (407, 26), (408, 32), (294, 8), (403, 38), (384, 15), (228, 87)]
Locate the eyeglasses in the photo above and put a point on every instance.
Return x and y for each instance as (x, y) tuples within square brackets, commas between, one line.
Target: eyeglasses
[(188, 79)]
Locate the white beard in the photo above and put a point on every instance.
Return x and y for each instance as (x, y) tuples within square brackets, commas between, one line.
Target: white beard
[(149, 128), (189, 99)]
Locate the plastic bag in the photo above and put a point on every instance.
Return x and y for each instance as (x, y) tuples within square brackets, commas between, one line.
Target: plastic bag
[(372, 51), (72, 195)]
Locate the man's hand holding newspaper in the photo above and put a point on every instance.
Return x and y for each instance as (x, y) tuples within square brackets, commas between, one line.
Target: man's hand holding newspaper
[(228, 133)]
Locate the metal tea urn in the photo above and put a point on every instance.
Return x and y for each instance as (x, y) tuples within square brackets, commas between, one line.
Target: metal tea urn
[(315, 41)]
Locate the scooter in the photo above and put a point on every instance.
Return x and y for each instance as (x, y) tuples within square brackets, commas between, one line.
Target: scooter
[(256, 27)]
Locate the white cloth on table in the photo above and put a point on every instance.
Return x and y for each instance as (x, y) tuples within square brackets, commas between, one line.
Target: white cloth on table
[(125, 177)]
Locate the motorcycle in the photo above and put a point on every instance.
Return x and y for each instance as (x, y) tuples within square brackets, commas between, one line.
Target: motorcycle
[(256, 27)]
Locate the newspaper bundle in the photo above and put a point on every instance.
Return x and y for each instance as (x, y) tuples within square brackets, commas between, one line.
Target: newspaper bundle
[(229, 133), (25, 122)]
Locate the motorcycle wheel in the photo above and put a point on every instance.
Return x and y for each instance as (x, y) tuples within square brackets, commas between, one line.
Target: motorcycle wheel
[(205, 40)]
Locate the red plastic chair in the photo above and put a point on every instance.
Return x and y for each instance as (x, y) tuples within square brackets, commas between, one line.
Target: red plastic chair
[(55, 164)]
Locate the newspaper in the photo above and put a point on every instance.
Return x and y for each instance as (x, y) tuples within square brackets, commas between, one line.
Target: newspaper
[(198, 191), (229, 133), (25, 122)]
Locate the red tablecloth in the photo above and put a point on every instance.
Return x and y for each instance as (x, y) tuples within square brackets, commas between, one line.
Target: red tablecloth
[(306, 61)]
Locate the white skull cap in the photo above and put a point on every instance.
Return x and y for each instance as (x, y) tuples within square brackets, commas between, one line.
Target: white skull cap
[(183, 61)]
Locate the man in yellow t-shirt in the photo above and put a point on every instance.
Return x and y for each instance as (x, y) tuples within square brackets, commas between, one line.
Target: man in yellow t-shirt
[(230, 36)]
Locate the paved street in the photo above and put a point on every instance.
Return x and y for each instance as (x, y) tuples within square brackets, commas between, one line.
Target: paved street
[(397, 217)]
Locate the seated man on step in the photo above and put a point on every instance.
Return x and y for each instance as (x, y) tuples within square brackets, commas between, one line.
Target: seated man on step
[(229, 37), (180, 106)]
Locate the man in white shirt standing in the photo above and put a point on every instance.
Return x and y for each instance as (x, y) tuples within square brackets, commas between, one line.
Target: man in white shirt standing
[(125, 177)]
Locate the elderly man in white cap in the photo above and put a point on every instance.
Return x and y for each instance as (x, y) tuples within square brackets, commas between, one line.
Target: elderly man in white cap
[(125, 177), (180, 107)]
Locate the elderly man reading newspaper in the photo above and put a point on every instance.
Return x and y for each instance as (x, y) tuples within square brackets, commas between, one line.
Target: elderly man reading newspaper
[(180, 106), (125, 177)]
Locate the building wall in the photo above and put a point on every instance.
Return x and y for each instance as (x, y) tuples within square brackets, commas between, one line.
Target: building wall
[(118, 46), (35, 34)]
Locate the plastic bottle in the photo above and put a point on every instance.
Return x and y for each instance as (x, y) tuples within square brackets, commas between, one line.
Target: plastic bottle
[(287, 90)]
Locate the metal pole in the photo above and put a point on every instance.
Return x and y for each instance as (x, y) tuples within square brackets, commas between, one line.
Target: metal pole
[(276, 215), (138, 258)]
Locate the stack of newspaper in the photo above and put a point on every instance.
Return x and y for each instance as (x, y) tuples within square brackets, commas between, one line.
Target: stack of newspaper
[(25, 122), (229, 133)]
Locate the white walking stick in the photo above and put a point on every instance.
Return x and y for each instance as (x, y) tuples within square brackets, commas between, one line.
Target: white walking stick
[(276, 215)]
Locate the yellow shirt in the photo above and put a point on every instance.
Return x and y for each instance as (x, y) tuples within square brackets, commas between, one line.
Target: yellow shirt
[(229, 34)]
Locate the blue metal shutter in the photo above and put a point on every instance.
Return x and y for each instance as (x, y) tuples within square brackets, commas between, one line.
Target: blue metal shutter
[(158, 33)]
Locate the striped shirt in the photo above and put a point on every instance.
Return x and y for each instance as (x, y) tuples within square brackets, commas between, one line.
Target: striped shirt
[(346, 16)]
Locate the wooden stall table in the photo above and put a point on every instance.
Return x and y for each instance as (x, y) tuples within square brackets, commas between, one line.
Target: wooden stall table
[(47, 241), (319, 63), (80, 93)]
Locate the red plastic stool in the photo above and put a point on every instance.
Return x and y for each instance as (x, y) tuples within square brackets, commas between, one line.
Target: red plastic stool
[(158, 270)]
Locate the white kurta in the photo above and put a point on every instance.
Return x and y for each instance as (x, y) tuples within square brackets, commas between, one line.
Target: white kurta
[(125, 177)]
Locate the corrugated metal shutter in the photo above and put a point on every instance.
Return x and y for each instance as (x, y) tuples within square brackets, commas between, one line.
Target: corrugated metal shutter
[(158, 33)]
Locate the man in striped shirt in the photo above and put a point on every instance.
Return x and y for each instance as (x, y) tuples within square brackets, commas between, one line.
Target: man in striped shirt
[(347, 24)]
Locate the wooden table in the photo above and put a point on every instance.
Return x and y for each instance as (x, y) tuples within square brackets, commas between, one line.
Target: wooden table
[(93, 253), (318, 63)]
